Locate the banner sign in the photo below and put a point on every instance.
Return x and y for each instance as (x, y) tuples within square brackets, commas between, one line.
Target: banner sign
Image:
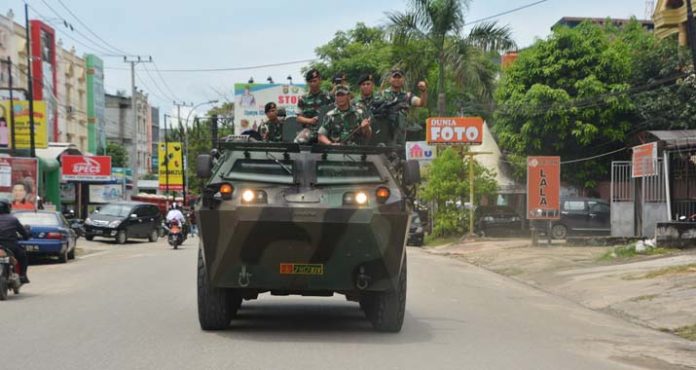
[(22, 124), (454, 130), (543, 188), (250, 99), (171, 167), (420, 151), (85, 168), (106, 193), (18, 181), (643, 160)]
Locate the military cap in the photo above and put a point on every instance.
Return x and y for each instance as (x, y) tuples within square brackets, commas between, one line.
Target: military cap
[(269, 106), (342, 89), (397, 71), (339, 77), (312, 74), (366, 77)]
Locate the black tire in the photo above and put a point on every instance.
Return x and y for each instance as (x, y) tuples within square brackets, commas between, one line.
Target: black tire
[(71, 254), (216, 306), (559, 231), (89, 237), (386, 310), (154, 235), (121, 237), (3, 287), (63, 256)]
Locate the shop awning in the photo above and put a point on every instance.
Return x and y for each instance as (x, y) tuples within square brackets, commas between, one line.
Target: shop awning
[(48, 157)]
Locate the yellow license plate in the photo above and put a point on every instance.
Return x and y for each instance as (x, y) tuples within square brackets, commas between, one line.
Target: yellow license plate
[(301, 269)]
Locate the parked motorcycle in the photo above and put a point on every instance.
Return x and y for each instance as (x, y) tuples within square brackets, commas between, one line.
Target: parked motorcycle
[(9, 278), (175, 234)]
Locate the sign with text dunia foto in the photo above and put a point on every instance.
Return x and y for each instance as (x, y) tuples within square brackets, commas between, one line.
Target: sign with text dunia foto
[(543, 188), (454, 130), (420, 151), (22, 124), (250, 100), (85, 168), (171, 169), (644, 159)]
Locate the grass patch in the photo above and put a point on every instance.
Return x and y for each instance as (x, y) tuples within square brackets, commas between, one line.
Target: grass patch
[(672, 270), (629, 251), (648, 297), (432, 241), (687, 332)]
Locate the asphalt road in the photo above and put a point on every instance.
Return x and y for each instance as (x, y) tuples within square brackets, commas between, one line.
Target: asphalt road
[(134, 307)]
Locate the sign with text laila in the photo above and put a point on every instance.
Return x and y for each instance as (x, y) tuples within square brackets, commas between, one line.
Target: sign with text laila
[(543, 188)]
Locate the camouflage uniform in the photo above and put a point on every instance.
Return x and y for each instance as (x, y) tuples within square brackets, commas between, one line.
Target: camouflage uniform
[(340, 126), (313, 105), (400, 103), (274, 131)]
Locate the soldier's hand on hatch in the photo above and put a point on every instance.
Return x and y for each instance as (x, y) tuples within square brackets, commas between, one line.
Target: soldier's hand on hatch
[(422, 86)]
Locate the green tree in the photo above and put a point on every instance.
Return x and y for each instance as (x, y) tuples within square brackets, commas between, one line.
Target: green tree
[(447, 183), (438, 24), (118, 154)]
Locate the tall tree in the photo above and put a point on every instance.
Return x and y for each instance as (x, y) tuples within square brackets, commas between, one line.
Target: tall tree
[(439, 23), (118, 154)]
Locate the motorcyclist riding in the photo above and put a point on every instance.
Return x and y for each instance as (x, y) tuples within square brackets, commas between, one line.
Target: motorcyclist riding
[(176, 214), (9, 228)]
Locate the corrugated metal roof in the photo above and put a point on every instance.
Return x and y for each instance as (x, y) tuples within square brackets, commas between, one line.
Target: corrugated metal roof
[(675, 139)]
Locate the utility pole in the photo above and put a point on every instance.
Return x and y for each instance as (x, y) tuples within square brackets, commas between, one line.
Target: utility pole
[(183, 131), (133, 60), (166, 158), (30, 85), (691, 31)]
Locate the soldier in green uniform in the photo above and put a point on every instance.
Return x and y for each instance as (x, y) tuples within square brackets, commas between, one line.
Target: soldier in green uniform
[(272, 129), (311, 106), (400, 102), (346, 123), (367, 94)]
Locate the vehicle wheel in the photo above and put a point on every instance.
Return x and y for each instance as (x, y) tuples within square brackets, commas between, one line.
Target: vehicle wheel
[(3, 288), (63, 256), (89, 237), (216, 306), (154, 235), (71, 254), (559, 231), (386, 309), (121, 237)]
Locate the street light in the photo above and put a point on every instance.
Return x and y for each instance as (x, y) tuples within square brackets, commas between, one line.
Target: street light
[(186, 180)]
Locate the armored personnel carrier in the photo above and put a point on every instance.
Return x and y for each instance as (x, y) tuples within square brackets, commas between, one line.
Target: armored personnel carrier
[(304, 220)]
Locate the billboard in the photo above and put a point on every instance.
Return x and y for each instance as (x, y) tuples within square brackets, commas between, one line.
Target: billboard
[(85, 168), (18, 181), (171, 169), (106, 193), (644, 160), (454, 130), (22, 124), (250, 99), (543, 188)]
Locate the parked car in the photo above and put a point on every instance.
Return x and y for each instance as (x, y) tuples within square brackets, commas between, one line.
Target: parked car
[(51, 234), (416, 234), (124, 220), (582, 216), (496, 220)]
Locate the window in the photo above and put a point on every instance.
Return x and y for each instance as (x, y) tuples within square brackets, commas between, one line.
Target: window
[(279, 172), (574, 205), (341, 172), (600, 208), (37, 219)]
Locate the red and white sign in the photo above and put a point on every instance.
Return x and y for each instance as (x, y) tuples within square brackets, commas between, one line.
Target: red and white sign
[(543, 188), (454, 130), (86, 168), (644, 160)]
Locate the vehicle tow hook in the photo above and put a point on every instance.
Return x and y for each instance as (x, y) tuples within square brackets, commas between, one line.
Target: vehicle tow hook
[(244, 277), (362, 280)]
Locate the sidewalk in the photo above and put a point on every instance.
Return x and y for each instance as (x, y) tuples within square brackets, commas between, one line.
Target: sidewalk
[(655, 291)]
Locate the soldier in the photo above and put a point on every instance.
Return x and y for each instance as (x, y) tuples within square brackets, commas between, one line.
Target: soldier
[(346, 123), (401, 101), (367, 95), (272, 129), (310, 107)]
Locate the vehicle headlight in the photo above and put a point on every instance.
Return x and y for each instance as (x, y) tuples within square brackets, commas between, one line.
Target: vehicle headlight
[(251, 196), (114, 223), (248, 196), (488, 219), (360, 198), (515, 219)]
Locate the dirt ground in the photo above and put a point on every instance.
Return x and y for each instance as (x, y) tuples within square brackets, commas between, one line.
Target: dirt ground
[(655, 291)]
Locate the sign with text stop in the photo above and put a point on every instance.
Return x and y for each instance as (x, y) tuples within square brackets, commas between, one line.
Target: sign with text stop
[(454, 130)]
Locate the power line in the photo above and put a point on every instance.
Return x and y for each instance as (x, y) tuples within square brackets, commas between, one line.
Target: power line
[(229, 68), (594, 156), (157, 84), (506, 12), (87, 27), (164, 81)]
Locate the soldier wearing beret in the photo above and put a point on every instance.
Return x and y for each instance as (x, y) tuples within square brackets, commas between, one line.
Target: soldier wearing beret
[(367, 87), (403, 101), (346, 123), (272, 129), (311, 105)]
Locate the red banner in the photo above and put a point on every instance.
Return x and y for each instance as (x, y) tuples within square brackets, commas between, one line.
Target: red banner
[(543, 188), (19, 181), (644, 159), (85, 168)]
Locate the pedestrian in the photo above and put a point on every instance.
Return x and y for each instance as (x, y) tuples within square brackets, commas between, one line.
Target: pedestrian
[(346, 123), (272, 129), (310, 108), (399, 102)]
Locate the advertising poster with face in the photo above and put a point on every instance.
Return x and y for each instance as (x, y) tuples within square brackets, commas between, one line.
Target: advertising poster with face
[(19, 182), (250, 100)]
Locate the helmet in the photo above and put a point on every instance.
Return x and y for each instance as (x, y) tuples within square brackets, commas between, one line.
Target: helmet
[(5, 206)]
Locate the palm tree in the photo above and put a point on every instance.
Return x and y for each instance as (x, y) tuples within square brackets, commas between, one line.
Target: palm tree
[(440, 23)]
